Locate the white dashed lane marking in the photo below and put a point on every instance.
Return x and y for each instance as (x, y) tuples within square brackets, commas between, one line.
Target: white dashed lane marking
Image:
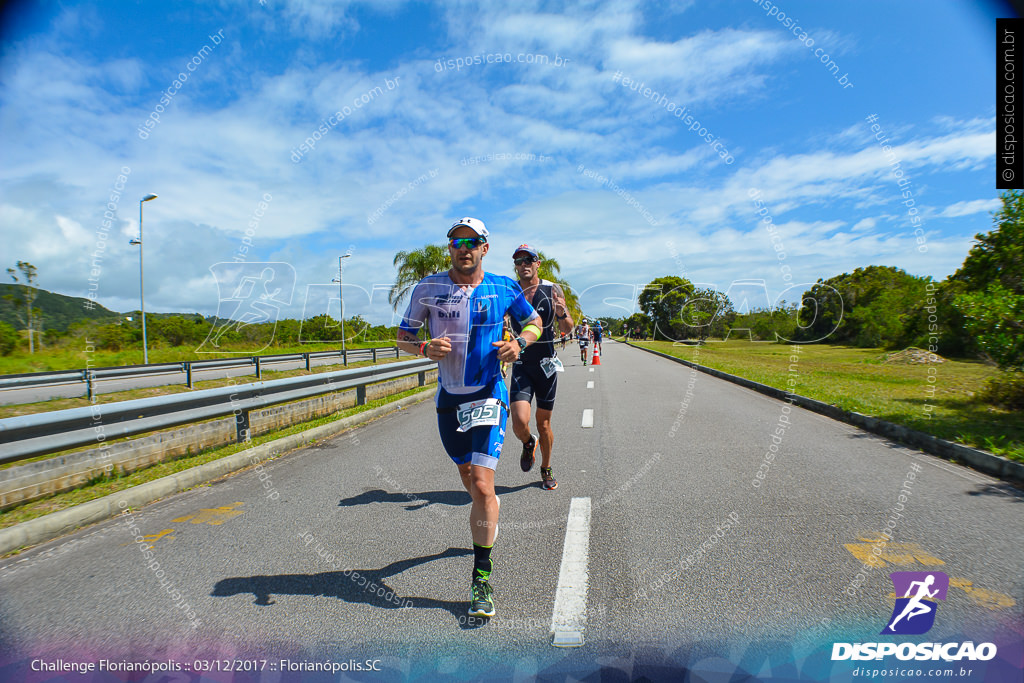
[(588, 418)]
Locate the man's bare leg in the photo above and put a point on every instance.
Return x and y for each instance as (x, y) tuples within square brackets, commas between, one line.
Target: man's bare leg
[(464, 475), (521, 420), (546, 436), (484, 514)]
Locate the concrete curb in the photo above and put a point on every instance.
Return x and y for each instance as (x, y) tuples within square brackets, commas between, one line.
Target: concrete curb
[(55, 524), (983, 461)]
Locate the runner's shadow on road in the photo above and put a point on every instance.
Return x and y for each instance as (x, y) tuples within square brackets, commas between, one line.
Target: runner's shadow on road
[(358, 586), (414, 501), (502, 490), (418, 501), (1003, 489)]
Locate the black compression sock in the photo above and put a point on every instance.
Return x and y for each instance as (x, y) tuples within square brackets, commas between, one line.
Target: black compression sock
[(482, 564)]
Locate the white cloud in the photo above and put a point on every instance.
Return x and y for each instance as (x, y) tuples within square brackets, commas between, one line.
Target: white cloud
[(865, 224), (970, 207), (727, 59)]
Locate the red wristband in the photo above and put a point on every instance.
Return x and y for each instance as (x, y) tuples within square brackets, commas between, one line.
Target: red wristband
[(423, 345)]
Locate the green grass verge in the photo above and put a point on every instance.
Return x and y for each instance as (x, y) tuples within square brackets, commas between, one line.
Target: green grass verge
[(107, 485), (69, 355), (860, 380), (16, 409)]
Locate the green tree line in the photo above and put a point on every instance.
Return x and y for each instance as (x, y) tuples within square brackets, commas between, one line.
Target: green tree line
[(978, 311)]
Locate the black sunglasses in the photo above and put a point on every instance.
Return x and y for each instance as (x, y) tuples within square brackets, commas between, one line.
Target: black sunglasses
[(523, 260)]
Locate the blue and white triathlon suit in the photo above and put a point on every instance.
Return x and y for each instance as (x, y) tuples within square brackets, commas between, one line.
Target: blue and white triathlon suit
[(472, 318)]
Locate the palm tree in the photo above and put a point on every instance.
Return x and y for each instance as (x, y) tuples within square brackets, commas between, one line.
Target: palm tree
[(548, 267), (413, 266)]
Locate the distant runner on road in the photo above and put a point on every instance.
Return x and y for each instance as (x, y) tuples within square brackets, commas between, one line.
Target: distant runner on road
[(583, 336), (596, 332)]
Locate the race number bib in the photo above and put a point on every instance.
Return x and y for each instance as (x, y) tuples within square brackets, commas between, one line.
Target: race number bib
[(550, 366), (485, 413)]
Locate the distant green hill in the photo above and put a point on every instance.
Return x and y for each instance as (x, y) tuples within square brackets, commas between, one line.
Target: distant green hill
[(59, 311)]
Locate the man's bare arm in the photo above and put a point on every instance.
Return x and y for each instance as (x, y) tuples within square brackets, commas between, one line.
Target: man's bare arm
[(565, 325), (434, 349)]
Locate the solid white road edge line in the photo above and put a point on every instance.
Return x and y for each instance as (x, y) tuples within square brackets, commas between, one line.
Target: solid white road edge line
[(569, 618)]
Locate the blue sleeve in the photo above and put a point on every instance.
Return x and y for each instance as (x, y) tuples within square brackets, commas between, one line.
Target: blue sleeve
[(519, 308)]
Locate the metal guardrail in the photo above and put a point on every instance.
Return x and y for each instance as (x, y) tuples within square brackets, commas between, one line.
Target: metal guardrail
[(27, 436), (90, 375)]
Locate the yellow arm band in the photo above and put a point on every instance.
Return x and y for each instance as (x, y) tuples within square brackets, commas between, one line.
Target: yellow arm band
[(533, 328)]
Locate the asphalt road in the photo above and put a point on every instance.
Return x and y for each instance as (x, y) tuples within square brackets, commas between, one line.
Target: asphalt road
[(690, 565)]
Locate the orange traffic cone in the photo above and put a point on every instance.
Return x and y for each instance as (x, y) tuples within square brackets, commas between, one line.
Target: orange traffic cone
[(597, 358)]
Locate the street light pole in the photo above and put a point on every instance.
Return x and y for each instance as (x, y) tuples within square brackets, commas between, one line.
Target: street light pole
[(341, 300), (142, 296)]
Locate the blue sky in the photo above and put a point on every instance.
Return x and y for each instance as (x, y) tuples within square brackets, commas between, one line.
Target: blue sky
[(547, 143)]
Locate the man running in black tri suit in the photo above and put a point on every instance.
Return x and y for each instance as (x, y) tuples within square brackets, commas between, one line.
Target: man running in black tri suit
[(536, 371)]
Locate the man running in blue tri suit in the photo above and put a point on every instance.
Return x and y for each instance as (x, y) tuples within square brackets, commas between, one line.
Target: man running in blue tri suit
[(535, 373), (464, 311)]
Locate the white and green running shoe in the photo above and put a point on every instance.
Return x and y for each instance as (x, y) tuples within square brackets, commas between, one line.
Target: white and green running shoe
[(481, 599)]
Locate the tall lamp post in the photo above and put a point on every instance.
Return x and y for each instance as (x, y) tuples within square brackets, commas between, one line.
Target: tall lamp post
[(341, 299), (142, 297)]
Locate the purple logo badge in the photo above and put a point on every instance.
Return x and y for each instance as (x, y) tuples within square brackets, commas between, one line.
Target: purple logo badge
[(916, 595)]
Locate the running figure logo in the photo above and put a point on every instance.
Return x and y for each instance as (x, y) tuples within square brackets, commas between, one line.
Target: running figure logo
[(248, 294), (916, 593)]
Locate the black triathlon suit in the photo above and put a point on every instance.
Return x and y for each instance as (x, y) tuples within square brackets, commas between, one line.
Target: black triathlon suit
[(527, 376)]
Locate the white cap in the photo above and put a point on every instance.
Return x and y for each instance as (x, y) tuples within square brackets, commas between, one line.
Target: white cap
[(474, 224)]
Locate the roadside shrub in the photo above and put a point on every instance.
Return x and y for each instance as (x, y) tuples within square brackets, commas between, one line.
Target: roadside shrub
[(8, 339), (1005, 391)]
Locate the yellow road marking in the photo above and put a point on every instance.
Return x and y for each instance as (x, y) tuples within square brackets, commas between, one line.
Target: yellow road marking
[(214, 516), (902, 554), (153, 538), (906, 554), (983, 596)]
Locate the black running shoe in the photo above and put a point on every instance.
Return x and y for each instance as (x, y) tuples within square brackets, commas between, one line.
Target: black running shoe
[(529, 449), (481, 599)]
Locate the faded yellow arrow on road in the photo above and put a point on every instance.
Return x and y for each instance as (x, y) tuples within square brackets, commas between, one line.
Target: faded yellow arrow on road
[(908, 554), (214, 516)]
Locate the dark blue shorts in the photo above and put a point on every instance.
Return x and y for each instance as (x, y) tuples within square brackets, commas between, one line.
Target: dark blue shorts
[(480, 445)]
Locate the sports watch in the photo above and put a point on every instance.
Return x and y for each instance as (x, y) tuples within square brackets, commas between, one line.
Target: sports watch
[(522, 345)]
